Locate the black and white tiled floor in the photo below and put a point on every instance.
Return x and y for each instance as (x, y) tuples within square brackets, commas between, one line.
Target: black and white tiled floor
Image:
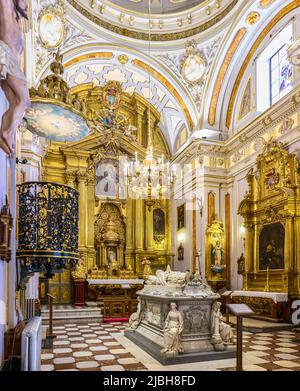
[(103, 347), (278, 351), (88, 348)]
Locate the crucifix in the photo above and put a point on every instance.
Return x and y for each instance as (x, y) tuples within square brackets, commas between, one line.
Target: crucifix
[(12, 80)]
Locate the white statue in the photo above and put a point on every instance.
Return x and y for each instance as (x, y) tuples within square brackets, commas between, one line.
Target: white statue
[(221, 332), (172, 332), (136, 318), (167, 278)]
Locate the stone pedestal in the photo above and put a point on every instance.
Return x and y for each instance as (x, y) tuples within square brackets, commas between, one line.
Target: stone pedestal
[(79, 292), (196, 313)]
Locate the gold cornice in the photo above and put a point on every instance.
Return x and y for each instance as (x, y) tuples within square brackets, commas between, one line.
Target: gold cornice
[(169, 86), (154, 36), (224, 68), (107, 55), (290, 7)]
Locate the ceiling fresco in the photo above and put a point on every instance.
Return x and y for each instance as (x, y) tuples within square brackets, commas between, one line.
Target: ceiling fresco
[(55, 122)]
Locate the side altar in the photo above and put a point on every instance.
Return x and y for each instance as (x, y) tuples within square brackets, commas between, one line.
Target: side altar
[(272, 224), (179, 320)]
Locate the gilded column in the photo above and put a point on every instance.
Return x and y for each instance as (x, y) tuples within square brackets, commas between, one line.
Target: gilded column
[(90, 184), (82, 209), (288, 250), (70, 178), (129, 224), (139, 122), (149, 229), (139, 224)]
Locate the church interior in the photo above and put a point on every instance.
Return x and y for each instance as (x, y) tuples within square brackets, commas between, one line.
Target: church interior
[(150, 201)]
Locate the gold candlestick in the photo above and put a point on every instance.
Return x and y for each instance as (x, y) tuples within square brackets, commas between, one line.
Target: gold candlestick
[(246, 281), (267, 286)]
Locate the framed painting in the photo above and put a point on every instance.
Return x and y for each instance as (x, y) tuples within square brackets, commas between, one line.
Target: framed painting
[(271, 246), (180, 217)]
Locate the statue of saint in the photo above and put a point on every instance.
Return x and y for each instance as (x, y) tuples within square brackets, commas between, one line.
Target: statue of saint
[(12, 79), (172, 332), (111, 259), (218, 253), (221, 332)]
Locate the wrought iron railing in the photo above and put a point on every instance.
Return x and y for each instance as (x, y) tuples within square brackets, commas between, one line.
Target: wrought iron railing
[(47, 228)]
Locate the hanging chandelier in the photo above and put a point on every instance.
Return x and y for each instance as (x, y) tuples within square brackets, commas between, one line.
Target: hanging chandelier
[(152, 178), (149, 179)]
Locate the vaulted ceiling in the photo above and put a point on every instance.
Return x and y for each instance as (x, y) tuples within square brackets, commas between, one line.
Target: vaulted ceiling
[(109, 40)]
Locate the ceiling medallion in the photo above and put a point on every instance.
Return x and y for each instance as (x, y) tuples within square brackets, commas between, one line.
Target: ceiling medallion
[(193, 64), (253, 18), (123, 59), (51, 25)]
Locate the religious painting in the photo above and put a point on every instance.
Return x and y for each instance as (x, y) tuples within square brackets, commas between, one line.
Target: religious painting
[(271, 247), (159, 225), (107, 178), (180, 217), (55, 123)]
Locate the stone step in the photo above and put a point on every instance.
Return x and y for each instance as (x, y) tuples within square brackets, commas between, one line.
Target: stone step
[(70, 314)]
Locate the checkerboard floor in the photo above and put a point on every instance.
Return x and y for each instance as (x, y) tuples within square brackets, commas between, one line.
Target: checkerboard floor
[(95, 347), (279, 351), (89, 347)]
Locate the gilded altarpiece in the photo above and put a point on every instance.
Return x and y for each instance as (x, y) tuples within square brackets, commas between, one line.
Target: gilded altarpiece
[(115, 247), (272, 221)]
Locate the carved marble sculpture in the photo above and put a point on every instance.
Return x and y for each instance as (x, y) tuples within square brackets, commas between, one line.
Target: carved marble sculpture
[(136, 318), (12, 79), (167, 278), (172, 332), (221, 332)]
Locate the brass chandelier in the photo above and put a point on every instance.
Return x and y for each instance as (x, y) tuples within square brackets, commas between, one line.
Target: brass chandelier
[(152, 178)]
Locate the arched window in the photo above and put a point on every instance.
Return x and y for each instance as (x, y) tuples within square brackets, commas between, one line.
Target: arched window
[(274, 71)]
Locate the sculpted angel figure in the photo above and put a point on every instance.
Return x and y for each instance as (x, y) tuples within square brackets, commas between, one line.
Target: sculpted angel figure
[(12, 79), (136, 318), (172, 332), (221, 332)]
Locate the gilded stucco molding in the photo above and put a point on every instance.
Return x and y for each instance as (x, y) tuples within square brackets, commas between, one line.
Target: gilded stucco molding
[(222, 73), (159, 37), (277, 18)]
